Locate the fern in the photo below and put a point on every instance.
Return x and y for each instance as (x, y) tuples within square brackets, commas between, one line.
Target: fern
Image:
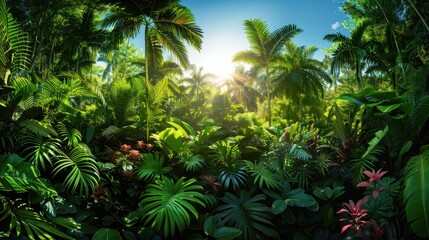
[(14, 48)]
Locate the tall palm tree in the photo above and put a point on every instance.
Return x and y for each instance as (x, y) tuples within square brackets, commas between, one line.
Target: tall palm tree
[(299, 73), (197, 81), (264, 48), (353, 52), (166, 24)]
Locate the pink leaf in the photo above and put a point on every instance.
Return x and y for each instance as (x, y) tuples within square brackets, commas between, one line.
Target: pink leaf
[(375, 194), (343, 229), (363, 184)]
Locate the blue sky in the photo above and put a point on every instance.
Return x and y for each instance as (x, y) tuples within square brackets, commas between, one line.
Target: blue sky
[(222, 23)]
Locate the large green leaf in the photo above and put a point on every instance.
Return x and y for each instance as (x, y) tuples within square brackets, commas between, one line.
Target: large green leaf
[(416, 193), (168, 204), (299, 198), (248, 213), (420, 112), (226, 233), (19, 176), (107, 234)]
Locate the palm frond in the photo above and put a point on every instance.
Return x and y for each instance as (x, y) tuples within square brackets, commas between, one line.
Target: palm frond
[(80, 169), (280, 36), (249, 213), (420, 112), (27, 219), (71, 137), (192, 163), (168, 204), (234, 178), (257, 33), (39, 150), (247, 56), (150, 167), (262, 175)]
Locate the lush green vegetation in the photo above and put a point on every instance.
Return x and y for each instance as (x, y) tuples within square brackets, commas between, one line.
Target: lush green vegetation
[(291, 148)]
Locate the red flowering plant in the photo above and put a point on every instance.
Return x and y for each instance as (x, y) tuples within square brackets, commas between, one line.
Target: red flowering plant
[(372, 183), (127, 156), (356, 218), (369, 218)]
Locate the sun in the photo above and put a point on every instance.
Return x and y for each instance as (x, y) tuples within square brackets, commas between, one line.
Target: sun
[(219, 64)]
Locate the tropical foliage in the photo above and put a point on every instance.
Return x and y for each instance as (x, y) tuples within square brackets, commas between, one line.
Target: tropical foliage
[(101, 141)]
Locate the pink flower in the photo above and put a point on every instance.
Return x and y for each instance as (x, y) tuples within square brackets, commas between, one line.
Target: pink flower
[(140, 144), (134, 154), (125, 147)]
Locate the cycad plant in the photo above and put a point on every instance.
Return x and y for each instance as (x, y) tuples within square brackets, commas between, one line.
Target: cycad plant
[(14, 50)]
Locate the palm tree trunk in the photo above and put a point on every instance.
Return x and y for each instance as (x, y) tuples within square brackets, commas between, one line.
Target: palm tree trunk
[(267, 72), (358, 77), (147, 83)]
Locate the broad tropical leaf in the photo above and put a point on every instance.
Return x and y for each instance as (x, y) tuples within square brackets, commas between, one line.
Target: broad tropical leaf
[(416, 193), (19, 176)]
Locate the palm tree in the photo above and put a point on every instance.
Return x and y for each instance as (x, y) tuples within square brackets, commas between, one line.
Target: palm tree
[(265, 47), (300, 74), (353, 52), (166, 24), (197, 81)]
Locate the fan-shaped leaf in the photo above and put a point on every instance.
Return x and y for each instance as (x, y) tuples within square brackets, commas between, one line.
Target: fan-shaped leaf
[(168, 205), (80, 168), (151, 167)]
